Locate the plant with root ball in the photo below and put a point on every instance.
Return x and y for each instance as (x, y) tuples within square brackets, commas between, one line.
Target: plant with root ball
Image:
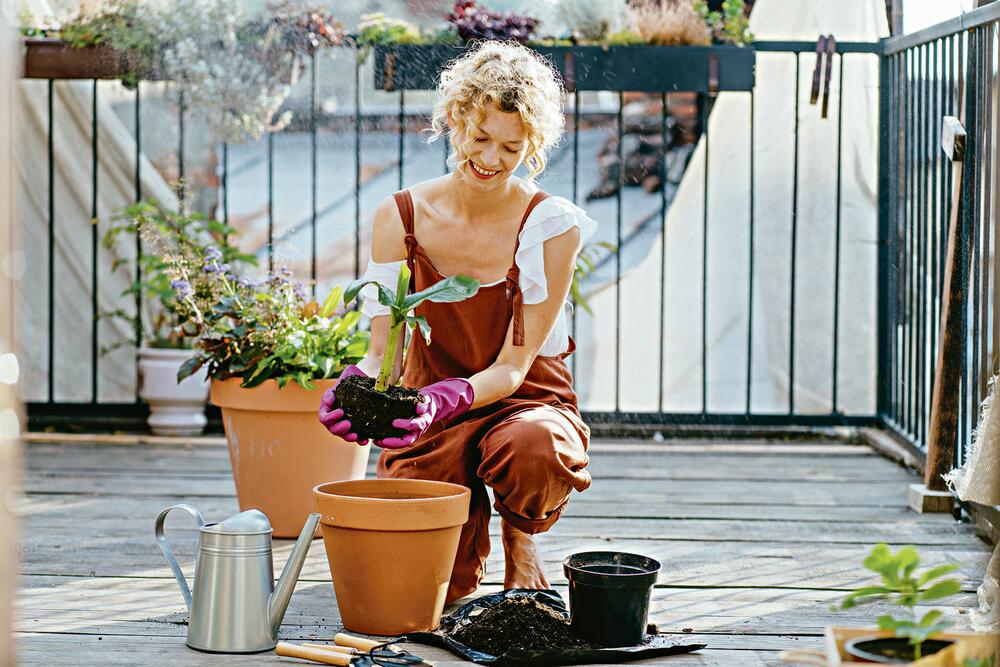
[(401, 306)]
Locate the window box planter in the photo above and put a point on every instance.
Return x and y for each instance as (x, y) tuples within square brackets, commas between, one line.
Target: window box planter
[(47, 58), (699, 69)]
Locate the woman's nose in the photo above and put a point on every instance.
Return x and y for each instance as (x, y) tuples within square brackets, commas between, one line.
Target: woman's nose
[(489, 157)]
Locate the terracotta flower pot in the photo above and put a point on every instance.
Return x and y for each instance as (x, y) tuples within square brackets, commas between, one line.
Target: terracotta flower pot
[(279, 450), (391, 545)]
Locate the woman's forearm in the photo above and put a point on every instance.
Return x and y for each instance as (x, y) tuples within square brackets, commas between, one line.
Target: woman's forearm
[(494, 383)]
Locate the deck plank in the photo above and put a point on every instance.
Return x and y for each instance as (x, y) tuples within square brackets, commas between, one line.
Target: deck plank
[(758, 540)]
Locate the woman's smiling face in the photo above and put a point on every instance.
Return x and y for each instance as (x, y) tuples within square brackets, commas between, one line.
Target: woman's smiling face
[(495, 149)]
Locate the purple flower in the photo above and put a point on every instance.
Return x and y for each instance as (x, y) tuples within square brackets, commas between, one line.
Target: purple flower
[(246, 283), (213, 254), (300, 290), (182, 288)]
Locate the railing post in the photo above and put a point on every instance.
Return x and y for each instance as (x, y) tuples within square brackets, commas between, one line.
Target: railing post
[(885, 226)]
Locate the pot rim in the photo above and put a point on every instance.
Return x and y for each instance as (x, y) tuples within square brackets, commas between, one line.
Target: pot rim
[(459, 491), (149, 351), (851, 647), (579, 573)]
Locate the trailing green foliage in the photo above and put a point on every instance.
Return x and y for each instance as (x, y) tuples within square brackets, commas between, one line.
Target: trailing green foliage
[(271, 330), (901, 585), (731, 25), (173, 245), (401, 306)]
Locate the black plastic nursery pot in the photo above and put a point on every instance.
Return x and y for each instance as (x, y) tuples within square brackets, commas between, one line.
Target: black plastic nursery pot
[(891, 650), (609, 595)]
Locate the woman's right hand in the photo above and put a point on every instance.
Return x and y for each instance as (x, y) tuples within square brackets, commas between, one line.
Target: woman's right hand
[(333, 418)]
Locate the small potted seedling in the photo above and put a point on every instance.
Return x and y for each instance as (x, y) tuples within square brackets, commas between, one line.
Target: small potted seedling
[(371, 404), (910, 636)]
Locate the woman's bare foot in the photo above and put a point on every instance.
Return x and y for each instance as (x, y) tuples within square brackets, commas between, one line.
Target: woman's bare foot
[(523, 566)]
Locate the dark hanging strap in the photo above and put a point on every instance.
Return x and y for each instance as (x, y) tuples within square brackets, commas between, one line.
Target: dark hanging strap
[(513, 285)]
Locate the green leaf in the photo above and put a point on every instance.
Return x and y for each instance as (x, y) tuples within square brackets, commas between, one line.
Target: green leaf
[(908, 559), (385, 296), (449, 290), (863, 595), (421, 322), (930, 618), (890, 623), (330, 302), (189, 368), (941, 589), (402, 285), (936, 572), (305, 381)]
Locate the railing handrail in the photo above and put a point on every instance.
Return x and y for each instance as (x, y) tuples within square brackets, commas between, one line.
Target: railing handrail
[(952, 26), (805, 46)]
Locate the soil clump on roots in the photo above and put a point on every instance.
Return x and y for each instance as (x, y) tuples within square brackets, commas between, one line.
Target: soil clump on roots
[(371, 412), (519, 623)]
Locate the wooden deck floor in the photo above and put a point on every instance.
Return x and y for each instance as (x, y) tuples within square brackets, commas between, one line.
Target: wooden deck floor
[(756, 540)]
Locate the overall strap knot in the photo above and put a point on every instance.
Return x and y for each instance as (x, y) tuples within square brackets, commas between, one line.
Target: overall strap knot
[(411, 247)]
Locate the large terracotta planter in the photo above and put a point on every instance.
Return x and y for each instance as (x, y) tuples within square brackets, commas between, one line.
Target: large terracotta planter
[(391, 545), (279, 450)]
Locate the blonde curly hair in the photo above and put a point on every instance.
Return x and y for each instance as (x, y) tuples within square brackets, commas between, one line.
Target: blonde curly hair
[(515, 79)]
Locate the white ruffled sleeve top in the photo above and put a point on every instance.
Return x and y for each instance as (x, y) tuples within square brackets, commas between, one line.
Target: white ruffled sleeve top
[(550, 218)]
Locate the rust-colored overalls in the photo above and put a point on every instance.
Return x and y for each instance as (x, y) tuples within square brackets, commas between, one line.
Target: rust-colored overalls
[(530, 448)]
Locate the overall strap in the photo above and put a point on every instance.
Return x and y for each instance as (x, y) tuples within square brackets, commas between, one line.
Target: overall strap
[(514, 273), (404, 202)]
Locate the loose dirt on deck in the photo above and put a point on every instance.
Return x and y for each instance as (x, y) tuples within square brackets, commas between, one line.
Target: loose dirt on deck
[(519, 624)]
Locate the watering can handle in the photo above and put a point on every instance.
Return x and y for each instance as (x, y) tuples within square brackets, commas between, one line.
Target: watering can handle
[(168, 554)]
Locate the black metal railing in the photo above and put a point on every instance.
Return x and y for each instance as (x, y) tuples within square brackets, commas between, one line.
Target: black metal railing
[(946, 70), (913, 187)]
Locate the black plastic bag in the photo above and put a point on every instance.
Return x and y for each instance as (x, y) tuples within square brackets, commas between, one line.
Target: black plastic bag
[(653, 647)]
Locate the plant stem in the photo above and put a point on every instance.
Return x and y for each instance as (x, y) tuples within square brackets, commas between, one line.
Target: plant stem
[(385, 372)]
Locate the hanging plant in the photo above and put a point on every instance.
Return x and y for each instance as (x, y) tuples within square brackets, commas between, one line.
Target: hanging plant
[(474, 22), (236, 72)]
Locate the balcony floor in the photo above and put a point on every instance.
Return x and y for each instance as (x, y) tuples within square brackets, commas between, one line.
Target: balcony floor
[(757, 540)]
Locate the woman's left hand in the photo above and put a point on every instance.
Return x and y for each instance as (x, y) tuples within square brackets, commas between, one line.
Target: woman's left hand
[(446, 399)]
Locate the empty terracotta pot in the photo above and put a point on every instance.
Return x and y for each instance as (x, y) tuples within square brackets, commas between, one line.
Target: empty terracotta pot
[(391, 545), (279, 450)]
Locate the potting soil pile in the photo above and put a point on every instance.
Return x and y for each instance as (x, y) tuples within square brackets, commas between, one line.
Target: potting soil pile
[(519, 623), (526, 627)]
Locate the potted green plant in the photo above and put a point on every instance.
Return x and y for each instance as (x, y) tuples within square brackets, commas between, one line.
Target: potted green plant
[(236, 71), (680, 46), (903, 638), (169, 267), (371, 404), (271, 351)]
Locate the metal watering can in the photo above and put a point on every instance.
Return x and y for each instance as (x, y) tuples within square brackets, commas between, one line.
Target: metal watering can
[(236, 607)]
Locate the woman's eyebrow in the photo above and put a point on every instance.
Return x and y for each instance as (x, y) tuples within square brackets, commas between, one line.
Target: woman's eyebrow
[(516, 142)]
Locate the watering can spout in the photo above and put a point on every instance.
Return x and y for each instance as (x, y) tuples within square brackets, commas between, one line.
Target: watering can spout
[(282, 593)]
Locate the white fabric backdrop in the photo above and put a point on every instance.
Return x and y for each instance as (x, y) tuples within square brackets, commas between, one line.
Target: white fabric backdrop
[(728, 244)]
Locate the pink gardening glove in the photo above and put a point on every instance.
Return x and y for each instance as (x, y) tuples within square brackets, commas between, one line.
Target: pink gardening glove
[(333, 418), (446, 399)]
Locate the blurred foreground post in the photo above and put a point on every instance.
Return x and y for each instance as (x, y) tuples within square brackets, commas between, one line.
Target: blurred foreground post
[(10, 415)]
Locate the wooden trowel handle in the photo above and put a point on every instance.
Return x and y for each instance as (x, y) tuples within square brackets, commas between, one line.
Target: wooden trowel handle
[(359, 643), (310, 653)]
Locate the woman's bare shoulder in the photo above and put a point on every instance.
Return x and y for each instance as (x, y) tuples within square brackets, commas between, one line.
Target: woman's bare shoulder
[(388, 244)]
